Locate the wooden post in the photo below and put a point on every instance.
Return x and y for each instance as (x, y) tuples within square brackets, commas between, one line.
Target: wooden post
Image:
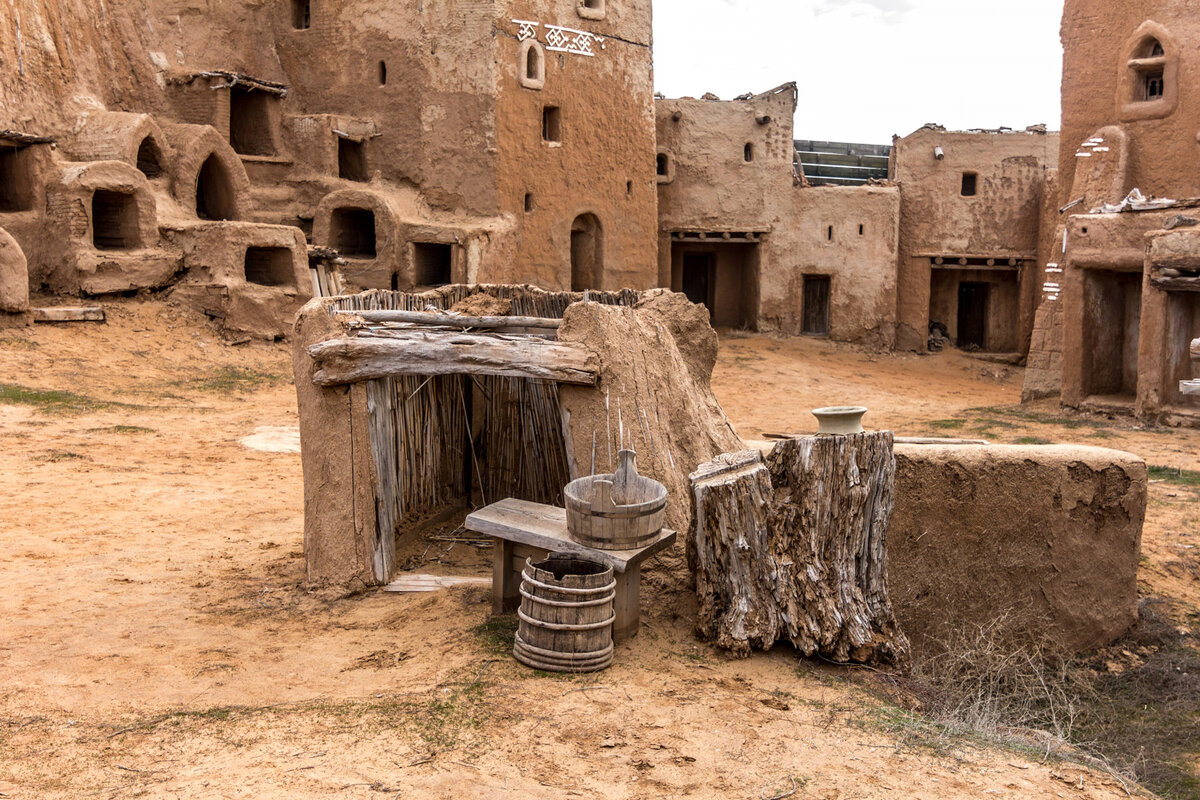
[(795, 549)]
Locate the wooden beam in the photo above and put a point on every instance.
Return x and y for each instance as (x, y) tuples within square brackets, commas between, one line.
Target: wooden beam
[(351, 360), (1190, 387), (67, 314), (454, 320), (1176, 284), (1195, 349)]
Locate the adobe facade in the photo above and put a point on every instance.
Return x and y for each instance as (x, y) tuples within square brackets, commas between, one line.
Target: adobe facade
[(424, 143), (1116, 334)]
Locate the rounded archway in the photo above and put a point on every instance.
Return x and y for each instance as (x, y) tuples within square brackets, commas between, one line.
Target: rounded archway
[(587, 253), (215, 197)]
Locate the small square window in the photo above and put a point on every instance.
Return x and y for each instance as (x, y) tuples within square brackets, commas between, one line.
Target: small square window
[(301, 15), (552, 124), (528, 202), (352, 160), (969, 180), (590, 9), (748, 152), (1155, 86)]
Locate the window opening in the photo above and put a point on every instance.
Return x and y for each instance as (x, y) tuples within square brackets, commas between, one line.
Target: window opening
[(432, 263), (16, 182), (590, 9), (149, 158), (533, 64), (114, 220), (352, 160), (301, 14), (1154, 87), (969, 180), (528, 202), (661, 164), (382, 73), (552, 124), (269, 266), (829, 233), (352, 232), (860, 230), (748, 152)]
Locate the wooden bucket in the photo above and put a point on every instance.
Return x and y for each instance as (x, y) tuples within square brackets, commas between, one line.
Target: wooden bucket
[(617, 511), (566, 614)]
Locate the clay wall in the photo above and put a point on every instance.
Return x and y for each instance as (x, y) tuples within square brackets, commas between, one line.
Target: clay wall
[(1100, 88), (576, 144), (981, 199)]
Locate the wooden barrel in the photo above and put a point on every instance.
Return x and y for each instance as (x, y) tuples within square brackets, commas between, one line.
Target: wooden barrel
[(616, 511), (566, 614)]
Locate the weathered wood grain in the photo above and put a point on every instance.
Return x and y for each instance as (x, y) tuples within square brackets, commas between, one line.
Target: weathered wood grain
[(455, 320), (68, 314), (352, 360)]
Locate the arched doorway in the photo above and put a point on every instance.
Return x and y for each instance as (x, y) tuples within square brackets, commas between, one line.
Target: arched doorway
[(214, 191), (587, 253)]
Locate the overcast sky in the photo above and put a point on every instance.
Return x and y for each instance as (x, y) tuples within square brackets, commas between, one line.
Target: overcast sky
[(867, 69)]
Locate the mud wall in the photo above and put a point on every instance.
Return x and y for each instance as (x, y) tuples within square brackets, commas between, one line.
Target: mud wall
[(982, 198), (1045, 538)]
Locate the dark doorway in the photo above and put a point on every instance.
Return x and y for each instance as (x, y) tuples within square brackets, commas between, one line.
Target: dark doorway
[(214, 194), (250, 122), (149, 158), (816, 306), (352, 160), (301, 15), (587, 253), (972, 315), (270, 266), (697, 277), (16, 179), (352, 232), (432, 263), (114, 220)]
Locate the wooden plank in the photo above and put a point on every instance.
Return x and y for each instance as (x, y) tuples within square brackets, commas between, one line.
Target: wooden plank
[(455, 320), (545, 527), (352, 360), (69, 314), (1195, 349), (431, 583), (1190, 387), (1176, 284)]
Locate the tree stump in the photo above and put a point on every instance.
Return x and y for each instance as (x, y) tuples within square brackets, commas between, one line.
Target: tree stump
[(795, 549)]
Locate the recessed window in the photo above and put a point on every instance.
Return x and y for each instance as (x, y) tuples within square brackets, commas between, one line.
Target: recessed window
[(1153, 86), (250, 126), (432, 263), (528, 202), (969, 180), (552, 124), (1149, 80), (301, 15), (214, 191), (381, 73), (629, 188), (270, 266), (149, 158), (352, 160), (16, 179), (662, 165), (590, 9), (114, 220), (861, 229), (829, 233), (748, 152), (532, 67), (352, 232)]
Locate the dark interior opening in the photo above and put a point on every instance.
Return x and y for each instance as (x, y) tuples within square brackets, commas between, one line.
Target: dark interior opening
[(432, 263), (250, 127), (149, 158), (382, 73), (972, 315), (587, 253), (815, 320), (528, 202), (270, 266), (1154, 85), (561, 565), (861, 229), (114, 220), (214, 191), (16, 179), (748, 152), (552, 124), (301, 14), (352, 160), (698, 277), (352, 232), (1112, 313), (592, 4), (661, 164), (829, 233), (533, 64), (968, 184)]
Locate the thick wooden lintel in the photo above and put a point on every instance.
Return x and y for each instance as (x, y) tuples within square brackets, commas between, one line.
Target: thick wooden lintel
[(1176, 284), (1190, 387), (455, 320), (352, 360), (1195, 349), (66, 314)]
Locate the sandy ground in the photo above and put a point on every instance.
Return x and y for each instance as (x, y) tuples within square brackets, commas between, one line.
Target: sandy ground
[(156, 638)]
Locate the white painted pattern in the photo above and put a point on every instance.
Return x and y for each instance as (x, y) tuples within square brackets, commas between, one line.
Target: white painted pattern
[(560, 39)]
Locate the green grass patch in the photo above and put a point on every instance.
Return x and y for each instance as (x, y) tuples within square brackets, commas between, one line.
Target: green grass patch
[(227, 380), (948, 424), (1181, 477), (122, 429), (50, 401), (1033, 440), (498, 634)]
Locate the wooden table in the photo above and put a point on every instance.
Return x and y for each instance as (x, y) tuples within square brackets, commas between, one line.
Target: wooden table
[(531, 530)]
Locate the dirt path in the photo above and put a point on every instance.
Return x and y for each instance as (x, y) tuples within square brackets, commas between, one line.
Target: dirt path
[(158, 640)]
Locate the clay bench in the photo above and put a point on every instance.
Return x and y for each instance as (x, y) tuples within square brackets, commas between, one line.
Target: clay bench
[(532, 530)]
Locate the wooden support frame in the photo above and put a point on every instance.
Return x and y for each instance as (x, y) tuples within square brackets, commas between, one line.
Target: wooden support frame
[(455, 320)]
